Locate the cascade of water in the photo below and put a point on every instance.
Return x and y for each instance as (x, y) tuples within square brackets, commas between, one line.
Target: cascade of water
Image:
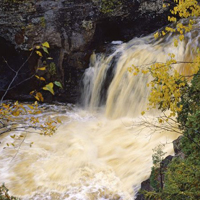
[(126, 94), (123, 94)]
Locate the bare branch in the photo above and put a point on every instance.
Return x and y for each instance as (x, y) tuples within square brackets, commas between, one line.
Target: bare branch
[(16, 74), (8, 65)]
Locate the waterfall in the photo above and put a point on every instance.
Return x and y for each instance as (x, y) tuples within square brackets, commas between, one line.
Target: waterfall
[(102, 151), (108, 83)]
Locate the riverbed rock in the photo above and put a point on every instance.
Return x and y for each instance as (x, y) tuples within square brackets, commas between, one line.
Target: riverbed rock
[(159, 177), (74, 29)]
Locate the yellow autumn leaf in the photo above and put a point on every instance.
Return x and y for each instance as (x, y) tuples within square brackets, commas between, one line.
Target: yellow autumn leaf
[(42, 68), (49, 87), (130, 69), (40, 78), (30, 106), (31, 92), (16, 113), (7, 106), (145, 71), (37, 47), (39, 96), (46, 44), (39, 53), (181, 37), (175, 42), (156, 35), (163, 33)]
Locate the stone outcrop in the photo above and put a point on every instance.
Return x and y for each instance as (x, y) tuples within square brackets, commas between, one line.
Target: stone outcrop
[(73, 28)]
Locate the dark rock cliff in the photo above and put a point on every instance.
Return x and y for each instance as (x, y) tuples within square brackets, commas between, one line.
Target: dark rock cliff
[(74, 29)]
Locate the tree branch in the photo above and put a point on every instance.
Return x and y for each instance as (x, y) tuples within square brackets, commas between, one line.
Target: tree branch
[(16, 74)]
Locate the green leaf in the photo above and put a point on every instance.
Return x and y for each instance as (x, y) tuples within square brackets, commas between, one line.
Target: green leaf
[(57, 83), (49, 87), (45, 50)]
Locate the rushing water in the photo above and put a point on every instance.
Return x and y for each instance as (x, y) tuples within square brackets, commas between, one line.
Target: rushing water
[(102, 151)]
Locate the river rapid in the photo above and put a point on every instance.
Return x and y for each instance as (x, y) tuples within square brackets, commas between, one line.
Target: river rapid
[(89, 157)]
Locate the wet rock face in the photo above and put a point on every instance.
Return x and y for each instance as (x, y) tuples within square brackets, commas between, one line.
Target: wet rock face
[(73, 28)]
